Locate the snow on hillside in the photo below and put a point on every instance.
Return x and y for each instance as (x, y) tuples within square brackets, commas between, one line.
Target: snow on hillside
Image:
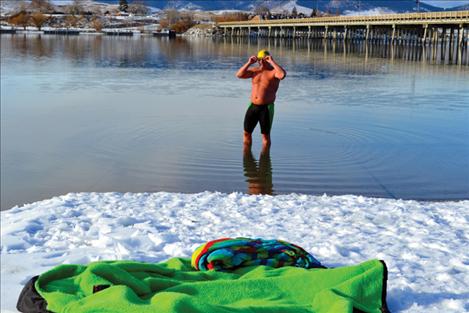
[(289, 7), (7, 6), (461, 7), (376, 11), (348, 7), (423, 243), (446, 4), (306, 5), (63, 2)]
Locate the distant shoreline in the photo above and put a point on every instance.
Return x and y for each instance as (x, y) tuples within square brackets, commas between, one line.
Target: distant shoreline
[(83, 31)]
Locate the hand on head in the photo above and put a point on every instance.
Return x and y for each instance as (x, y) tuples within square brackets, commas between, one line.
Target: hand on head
[(268, 58), (252, 59)]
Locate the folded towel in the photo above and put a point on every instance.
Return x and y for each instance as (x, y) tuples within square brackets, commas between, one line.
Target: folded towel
[(228, 254)]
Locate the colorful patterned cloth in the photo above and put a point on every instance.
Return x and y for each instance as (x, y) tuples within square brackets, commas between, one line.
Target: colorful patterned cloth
[(228, 253)]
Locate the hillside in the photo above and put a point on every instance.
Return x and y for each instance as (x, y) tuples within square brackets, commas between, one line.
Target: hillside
[(323, 5)]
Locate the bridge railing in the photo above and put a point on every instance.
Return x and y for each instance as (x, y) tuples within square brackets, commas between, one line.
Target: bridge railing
[(433, 16)]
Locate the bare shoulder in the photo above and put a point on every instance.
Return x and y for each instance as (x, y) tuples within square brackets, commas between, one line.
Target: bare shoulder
[(255, 72), (272, 74)]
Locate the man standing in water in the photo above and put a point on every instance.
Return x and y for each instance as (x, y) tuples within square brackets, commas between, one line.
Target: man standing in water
[(265, 82)]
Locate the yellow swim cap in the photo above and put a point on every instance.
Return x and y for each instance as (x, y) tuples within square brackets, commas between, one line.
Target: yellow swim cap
[(262, 54)]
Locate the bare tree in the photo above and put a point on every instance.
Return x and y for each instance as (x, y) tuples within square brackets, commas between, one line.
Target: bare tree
[(188, 15), (97, 24), (24, 19), (179, 22), (38, 19), (183, 24), (76, 7), (172, 15), (71, 21), (229, 17), (20, 19), (164, 23)]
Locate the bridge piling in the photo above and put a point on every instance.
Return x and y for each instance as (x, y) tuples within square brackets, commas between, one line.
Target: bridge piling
[(460, 36), (424, 37), (451, 37)]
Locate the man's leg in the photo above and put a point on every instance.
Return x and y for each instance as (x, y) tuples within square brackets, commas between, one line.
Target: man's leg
[(250, 121), (265, 120), (247, 140), (266, 141)]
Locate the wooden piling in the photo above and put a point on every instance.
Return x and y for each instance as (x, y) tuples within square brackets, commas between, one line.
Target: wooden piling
[(460, 34), (424, 37), (393, 36)]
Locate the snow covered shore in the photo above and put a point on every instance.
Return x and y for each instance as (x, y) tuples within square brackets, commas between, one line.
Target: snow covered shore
[(423, 243)]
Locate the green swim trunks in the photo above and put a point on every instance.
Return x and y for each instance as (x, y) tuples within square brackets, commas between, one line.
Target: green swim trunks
[(262, 114)]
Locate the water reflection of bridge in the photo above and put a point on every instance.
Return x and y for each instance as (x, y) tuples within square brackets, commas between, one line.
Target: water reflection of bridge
[(353, 52), (408, 28)]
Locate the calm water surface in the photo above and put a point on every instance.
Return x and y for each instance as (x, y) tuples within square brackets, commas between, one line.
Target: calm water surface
[(142, 114)]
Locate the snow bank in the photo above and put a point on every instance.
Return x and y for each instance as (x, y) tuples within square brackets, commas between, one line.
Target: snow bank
[(423, 243)]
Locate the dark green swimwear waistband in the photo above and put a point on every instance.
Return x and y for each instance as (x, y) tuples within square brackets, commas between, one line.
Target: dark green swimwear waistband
[(250, 103)]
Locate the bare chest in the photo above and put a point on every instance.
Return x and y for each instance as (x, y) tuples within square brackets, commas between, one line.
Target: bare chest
[(264, 78)]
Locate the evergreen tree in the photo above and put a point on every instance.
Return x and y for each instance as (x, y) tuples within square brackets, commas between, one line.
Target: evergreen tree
[(294, 12), (123, 5)]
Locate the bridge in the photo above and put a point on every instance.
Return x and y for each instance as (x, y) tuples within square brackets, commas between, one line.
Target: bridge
[(418, 27)]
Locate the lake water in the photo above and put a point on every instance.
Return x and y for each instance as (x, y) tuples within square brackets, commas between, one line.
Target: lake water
[(141, 114)]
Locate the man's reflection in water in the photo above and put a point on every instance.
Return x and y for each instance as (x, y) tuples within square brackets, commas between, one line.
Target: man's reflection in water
[(259, 178)]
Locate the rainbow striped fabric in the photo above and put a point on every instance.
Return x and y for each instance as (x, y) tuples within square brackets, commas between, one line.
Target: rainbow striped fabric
[(231, 253)]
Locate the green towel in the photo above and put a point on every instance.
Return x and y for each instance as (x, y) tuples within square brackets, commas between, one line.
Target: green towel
[(173, 286)]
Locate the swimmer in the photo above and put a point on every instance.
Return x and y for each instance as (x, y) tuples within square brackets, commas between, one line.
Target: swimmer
[(265, 82)]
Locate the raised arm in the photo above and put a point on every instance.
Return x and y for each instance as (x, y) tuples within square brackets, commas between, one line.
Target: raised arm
[(280, 73), (244, 71)]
